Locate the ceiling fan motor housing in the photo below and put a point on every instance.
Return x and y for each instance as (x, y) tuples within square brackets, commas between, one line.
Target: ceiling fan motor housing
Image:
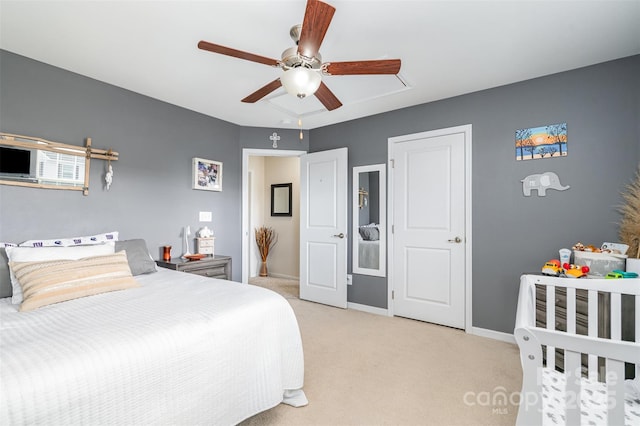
[(292, 59)]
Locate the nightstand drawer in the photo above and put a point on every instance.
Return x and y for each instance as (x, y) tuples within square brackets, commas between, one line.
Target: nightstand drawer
[(214, 272), (206, 270), (210, 266)]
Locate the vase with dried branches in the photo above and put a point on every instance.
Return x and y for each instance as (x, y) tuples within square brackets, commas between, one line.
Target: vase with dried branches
[(266, 238), (629, 232)]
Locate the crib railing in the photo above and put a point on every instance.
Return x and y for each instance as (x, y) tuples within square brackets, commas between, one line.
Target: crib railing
[(531, 340)]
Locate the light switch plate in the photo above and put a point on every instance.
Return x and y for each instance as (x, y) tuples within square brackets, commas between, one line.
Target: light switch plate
[(205, 216)]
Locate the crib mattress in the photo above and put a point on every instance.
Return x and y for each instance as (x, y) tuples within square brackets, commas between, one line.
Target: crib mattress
[(593, 400)]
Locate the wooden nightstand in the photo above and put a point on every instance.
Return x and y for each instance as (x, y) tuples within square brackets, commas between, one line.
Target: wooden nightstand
[(217, 266)]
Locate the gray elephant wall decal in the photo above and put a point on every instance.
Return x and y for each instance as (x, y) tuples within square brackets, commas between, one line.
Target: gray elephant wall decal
[(541, 182)]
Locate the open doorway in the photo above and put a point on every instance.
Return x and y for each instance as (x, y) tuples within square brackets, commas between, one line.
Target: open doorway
[(260, 169)]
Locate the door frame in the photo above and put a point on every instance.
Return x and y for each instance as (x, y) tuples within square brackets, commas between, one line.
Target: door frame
[(467, 130), (246, 235)]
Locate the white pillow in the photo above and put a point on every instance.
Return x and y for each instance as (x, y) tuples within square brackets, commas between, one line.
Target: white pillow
[(74, 241), (37, 254)]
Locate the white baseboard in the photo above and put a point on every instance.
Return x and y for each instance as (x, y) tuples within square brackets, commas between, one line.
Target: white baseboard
[(367, 308), (491, 334)]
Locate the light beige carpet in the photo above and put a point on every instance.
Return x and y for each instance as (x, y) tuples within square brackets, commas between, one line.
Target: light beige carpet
[(290, 289), (366, 369)]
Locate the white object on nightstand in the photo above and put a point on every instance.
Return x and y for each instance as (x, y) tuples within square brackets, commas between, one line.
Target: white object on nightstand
[(205, 233), (205, 245), (185, 234)]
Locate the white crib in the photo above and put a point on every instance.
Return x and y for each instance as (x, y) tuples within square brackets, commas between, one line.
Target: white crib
[(579, 391)]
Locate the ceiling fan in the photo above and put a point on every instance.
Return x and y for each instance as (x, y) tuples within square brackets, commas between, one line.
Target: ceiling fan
[(302, 64)]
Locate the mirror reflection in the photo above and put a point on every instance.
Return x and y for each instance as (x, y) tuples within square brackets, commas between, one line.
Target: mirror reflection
[(369, 235), (19, 164), (281, 199), (38, 163)]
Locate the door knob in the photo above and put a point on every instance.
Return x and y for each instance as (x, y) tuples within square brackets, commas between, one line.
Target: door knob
[(340, 235), (456, 240)]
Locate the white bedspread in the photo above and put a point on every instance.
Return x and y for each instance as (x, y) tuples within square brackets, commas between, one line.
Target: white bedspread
[(181, 349), (369, 254)]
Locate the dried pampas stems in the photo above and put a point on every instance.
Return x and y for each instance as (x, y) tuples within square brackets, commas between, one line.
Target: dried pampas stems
[(629, 232), (265, 239)]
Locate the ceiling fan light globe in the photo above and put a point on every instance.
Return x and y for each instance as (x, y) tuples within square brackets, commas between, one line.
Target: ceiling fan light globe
[(301, 82)]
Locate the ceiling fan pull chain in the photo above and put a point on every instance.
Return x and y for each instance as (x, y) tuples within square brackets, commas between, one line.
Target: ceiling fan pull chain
[(300, 125)]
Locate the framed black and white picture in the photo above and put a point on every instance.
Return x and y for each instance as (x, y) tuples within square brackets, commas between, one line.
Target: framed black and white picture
[(207, 174)]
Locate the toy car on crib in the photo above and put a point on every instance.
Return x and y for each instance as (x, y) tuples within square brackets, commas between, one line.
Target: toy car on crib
[(575, 271), (552, 268), (617, 273)]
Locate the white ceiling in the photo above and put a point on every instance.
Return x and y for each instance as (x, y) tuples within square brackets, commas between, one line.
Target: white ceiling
[(447, 48)]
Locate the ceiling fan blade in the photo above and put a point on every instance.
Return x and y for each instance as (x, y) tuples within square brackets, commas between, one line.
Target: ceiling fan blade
[(216, 48), (262, 92), (317, 18), (385, 66), (327, 97)]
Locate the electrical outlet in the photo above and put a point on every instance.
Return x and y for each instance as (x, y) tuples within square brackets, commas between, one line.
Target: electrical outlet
[(205, 216), (349, 279)]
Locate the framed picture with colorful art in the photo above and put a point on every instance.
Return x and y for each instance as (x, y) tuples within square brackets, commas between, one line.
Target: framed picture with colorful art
[(548, 141), (207, 174)]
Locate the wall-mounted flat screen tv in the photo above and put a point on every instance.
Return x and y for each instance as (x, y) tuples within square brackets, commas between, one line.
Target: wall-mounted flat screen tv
[(15, 161)]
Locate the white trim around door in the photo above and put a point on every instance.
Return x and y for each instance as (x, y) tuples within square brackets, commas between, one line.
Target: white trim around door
[(246, 235)]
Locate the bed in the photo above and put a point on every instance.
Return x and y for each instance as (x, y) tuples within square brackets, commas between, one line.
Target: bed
[(584, 389), (175, 348), (369, 246), (369, 254)]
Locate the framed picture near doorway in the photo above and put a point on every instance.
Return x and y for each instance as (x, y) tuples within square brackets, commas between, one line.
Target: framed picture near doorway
[(207, 174), (281, 198)]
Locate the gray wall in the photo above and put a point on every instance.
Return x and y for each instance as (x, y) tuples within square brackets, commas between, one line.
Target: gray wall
[(513, 234), (258, 138), (151, 195)]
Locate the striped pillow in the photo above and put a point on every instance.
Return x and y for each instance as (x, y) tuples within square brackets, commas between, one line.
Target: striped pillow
[(54, 281)]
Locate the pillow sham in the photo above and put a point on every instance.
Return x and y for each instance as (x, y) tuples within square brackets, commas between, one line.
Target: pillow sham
[(140, 261), (74, 241), (369, 233), (38, 254), (55, 281), (5, 275)]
